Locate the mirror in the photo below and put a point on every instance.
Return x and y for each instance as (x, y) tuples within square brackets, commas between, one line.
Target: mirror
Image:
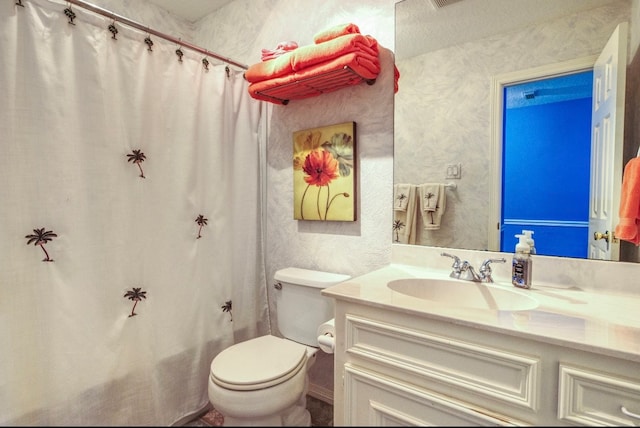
[(447, 52)]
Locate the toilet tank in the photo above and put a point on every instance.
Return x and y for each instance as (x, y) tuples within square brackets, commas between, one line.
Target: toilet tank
[(300, 306)]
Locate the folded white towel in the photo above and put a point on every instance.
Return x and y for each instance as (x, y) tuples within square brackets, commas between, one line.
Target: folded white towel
[(431, 192), (401, 196), (431, 219)]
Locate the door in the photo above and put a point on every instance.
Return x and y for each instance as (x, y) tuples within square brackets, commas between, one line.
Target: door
[(546, 163), (609, 81), (606, 147)]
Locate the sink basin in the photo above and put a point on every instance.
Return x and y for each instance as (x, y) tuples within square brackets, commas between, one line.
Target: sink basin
[(464, 294)]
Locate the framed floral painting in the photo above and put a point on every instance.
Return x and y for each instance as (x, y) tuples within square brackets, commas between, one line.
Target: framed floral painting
[(324, 173)]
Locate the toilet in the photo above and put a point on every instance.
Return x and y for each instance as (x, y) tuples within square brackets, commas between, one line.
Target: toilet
[(264, 381)]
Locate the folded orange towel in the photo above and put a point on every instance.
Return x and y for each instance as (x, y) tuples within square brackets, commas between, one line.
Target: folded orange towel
[(309, 55), (306, 56), (280, 66), (336, 31), (628, 227), (293, 86)]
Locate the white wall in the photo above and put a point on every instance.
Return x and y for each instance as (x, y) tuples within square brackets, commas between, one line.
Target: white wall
[(148, 15)]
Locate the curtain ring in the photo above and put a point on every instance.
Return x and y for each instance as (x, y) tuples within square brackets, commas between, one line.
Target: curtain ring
[(70, 14), (149, 42), (19, 3), (113, 29), (180, 54), (227, 70), (205, 63)]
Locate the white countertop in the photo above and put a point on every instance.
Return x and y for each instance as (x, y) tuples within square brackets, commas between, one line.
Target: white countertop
[(600, 322)]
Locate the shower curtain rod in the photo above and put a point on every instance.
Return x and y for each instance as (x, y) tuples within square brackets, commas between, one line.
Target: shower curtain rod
[(131, 23)]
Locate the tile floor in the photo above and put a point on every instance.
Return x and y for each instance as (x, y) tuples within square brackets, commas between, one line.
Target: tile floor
[(321, 415)]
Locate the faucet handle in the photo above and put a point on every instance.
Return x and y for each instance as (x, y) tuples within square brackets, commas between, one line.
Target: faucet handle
[(456, 259), (456, 266), (485, 268)]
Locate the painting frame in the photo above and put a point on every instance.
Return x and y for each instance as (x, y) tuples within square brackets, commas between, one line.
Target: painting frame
[(325, 173)]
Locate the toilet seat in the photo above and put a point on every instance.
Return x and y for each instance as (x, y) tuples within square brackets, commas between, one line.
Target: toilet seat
[(258, 363)]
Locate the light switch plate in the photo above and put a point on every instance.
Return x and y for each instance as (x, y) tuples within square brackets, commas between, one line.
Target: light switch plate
[(454, 170)]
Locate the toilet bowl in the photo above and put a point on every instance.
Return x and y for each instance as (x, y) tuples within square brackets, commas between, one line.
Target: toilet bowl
[(264, 381)]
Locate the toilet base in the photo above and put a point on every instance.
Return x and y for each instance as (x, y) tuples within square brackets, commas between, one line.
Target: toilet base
[(295, 416)]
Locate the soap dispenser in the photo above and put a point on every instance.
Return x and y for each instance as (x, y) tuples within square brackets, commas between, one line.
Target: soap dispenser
[(522, 264), (530, 241)]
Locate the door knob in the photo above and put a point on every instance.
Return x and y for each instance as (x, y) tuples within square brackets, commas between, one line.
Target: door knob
[(606, 236), (600, 235)]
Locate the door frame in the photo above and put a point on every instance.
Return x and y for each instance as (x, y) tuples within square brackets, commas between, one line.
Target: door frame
[(498, 84)]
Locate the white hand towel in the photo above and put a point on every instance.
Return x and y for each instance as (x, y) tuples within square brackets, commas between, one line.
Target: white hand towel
[(404, 222), (431, 192), (431, 219), (401, 196)]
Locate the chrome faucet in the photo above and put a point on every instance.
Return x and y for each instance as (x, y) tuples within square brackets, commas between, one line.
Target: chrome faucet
[(468, 273), (455, 267), (485, 268), (462, 269)]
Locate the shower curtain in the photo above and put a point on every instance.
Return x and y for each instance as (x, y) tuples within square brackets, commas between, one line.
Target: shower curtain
[(130, 220)]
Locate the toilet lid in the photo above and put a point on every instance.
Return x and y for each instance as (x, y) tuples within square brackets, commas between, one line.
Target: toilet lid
[(258, 363)]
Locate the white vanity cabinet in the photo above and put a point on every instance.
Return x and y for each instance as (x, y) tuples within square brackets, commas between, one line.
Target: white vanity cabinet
[(394, 367)]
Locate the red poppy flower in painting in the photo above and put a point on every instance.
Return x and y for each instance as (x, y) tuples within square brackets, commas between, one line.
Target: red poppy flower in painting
[(320, 168)]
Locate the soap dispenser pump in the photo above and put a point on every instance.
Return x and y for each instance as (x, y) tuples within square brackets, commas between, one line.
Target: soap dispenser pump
[(530, 241), (522, 264)]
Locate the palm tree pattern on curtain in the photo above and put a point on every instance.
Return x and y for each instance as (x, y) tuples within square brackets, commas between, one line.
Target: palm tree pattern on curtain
[(202, 221), (41, 237), (137, 157), (136, 295), (227, 308)]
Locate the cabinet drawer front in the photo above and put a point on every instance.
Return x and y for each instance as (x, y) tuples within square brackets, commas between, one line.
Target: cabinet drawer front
[(503, 375), (377, 400), (594, 398)]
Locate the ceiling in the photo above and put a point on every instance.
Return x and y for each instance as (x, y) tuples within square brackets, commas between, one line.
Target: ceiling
[(433, 24), (191, 10), (423, 26)]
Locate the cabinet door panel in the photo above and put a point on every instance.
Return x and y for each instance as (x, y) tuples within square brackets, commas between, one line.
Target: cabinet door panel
[(373, 399), (506, 376), (588, 397)]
